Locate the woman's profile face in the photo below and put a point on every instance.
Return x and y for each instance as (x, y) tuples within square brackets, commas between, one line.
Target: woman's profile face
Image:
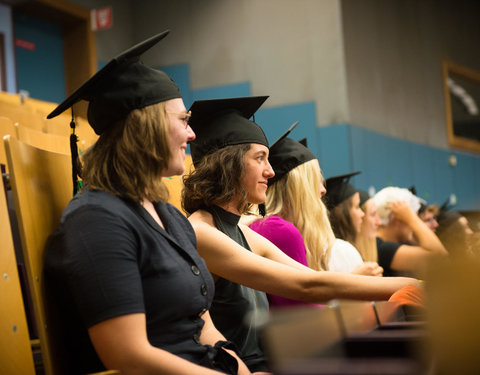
[(356, 213), (371, 221), (257, 172), (179, 133), (322, 191)]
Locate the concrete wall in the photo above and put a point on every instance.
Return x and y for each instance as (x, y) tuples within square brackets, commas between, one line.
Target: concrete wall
[(393, 55), (290, 50)]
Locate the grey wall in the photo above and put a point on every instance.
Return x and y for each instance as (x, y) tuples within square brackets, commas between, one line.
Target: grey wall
[(290, 50), (393, 55)]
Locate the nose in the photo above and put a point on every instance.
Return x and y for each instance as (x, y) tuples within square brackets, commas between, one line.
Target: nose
[(268, 172), (190, 134), (323, 191)]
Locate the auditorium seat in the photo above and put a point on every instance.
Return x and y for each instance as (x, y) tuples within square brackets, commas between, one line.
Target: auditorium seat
[(41, 185), (16, 355)]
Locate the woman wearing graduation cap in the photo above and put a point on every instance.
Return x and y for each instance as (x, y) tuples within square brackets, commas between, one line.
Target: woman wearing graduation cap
[(123, 274), (297, 219), (230, 155)]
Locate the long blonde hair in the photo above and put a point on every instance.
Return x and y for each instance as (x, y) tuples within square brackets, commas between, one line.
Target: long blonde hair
[(295, 198), (367, 247)]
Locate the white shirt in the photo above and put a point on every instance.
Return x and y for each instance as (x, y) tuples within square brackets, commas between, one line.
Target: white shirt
[(343, 257)]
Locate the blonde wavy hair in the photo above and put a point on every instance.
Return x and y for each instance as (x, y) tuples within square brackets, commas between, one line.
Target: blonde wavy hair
[(367, 247), (295, 198)]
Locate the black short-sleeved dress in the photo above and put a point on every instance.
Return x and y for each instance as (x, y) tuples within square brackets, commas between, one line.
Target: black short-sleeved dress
[(236, 309), (109, 258)]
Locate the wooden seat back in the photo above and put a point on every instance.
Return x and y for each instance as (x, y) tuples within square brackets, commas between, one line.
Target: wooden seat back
[(44, 141), (16, 355), (41, 186), (7, 127)]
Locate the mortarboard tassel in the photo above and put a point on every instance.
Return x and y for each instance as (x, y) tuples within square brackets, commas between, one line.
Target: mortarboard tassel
[(262, 209), (74, 154)]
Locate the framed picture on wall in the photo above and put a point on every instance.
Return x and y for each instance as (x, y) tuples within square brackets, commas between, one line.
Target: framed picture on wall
[(462, 106)]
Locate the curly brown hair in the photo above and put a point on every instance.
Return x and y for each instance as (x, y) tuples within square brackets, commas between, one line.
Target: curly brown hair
[(216, 180), (128, 159)]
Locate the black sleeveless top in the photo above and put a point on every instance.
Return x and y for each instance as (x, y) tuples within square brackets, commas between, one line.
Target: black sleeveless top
[(236, 309)]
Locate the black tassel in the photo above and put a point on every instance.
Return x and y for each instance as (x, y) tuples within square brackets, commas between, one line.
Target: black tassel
[(74, 155), (262, 209)]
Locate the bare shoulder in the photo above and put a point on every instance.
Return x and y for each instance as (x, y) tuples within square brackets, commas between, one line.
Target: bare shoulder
[(200, 218)]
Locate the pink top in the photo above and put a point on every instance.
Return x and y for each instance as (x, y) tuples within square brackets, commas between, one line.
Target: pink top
[(287, 238)]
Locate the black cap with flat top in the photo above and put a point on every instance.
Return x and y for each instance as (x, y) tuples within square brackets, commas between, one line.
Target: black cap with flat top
[(218, 123), (339, 189), (124, 84), (286, 155)]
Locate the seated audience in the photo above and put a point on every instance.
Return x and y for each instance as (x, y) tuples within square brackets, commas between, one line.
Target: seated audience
[(399, 223), (230, 155)]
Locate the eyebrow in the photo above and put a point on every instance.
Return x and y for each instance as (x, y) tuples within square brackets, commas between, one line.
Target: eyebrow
[(260, 152)]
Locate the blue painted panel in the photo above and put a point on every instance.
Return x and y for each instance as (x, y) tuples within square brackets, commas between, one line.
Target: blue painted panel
[(334, 150), (422, 172), (443, 176), (464, 181), (276, 120), (41, 71), (227, 91), (476, 185), (360, 154)]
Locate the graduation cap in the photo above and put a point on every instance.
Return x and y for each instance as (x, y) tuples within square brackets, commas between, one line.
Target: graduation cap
[(287, 154), (124, 84), (339, 189), (364, 196), (218, 123)]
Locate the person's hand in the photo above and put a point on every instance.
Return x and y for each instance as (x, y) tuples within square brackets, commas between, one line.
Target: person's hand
[(368, 269), (402, 211)]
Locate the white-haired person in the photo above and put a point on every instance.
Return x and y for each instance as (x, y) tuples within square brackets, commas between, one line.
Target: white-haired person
[(399, 225)]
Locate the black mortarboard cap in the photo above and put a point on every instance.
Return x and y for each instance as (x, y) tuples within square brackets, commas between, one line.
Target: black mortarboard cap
[(218, 123), (286, 155), (363, 197), (339, 189), (124, 84)]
